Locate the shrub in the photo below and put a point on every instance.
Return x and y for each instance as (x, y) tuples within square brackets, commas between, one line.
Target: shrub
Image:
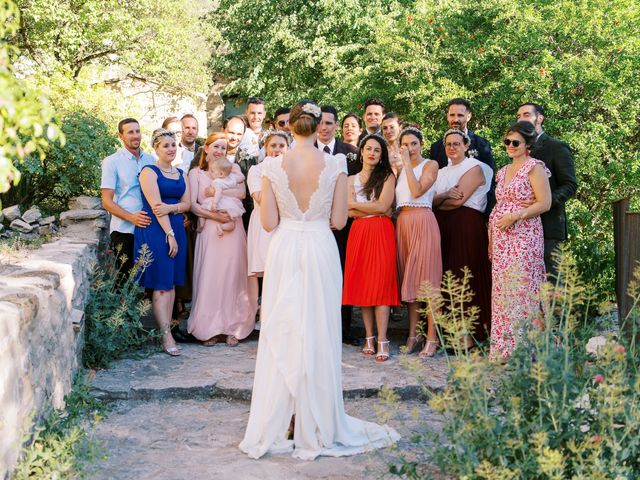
[(562, 407), (66, 170), (112, 314), (59, 447)]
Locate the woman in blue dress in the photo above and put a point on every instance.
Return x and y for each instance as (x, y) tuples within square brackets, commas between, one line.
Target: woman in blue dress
[(162, 246)]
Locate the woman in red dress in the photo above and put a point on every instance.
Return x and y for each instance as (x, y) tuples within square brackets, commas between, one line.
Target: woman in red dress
[(370, 278)]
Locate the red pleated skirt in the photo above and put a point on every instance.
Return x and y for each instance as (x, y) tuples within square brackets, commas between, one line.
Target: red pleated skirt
[(370, 277)]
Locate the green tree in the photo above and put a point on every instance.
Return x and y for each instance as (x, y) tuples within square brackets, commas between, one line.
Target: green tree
[(26, 124), (579, 59), (161, 42)]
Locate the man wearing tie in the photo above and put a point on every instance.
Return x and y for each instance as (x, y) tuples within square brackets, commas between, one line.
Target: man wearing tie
[(328, 143)]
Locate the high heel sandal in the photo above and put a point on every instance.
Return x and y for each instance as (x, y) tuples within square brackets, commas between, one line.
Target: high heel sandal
[(425, 353), (410, 348), (382, 356), (171, 351), (368, 348)]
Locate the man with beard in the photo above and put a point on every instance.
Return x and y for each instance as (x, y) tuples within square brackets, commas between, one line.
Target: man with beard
[(121, 193), (458, 116), (558, 158), (235, 129), (281, 119)]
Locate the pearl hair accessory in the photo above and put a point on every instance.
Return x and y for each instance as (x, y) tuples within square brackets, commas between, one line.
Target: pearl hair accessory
[(457, 131), (412, 130), (312, 109), (379, 138)]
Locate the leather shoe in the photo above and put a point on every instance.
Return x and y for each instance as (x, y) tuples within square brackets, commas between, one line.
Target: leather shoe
[(182, 337)]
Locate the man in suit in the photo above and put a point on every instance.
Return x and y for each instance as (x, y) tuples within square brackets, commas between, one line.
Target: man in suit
[(374, 110), (558, 158), (458, 116), (328, 143)]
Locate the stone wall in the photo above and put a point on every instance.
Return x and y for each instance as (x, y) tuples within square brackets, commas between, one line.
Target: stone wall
[(42, 299)]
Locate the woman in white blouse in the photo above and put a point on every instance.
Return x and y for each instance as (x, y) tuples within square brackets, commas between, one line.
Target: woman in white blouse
[(459, 202)]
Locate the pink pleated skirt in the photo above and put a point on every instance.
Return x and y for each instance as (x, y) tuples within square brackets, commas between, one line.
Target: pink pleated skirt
[(419, 254)]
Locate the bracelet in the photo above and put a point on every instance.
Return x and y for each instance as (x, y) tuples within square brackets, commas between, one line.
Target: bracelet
[(177, 207), (170, 233)]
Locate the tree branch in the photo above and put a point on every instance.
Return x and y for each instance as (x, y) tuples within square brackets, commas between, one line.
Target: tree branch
[(86, 59)]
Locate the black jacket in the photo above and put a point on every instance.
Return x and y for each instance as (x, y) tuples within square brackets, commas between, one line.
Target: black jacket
[(558, 158)]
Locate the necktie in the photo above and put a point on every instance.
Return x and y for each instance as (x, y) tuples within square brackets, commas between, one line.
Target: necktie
[(326, 149)]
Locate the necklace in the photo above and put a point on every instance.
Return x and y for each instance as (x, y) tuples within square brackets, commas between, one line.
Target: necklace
[(165, 171)]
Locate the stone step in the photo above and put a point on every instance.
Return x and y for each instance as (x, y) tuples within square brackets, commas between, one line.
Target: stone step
[(225, 372), (189, 439)]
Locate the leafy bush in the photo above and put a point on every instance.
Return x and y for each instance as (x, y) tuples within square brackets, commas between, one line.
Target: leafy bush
[(563, 407), (60, 447), (578, 59), (112, 314), (66, 170), (26, 118)]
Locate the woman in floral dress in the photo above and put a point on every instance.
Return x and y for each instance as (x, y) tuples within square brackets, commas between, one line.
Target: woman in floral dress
[(516, 242)]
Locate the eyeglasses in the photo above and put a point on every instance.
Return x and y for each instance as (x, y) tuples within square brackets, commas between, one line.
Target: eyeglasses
[(515, 143), (453, 145), (282, 123)]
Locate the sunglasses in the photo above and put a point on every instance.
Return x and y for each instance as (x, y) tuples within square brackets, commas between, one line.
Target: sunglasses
[(515, 143), (282, 123)]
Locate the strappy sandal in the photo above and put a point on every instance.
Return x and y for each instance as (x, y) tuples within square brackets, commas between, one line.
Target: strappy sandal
[(425, 353), (172, 351), (412, 343), (211, 342), (382, 356), (232, 341), (368, 348)]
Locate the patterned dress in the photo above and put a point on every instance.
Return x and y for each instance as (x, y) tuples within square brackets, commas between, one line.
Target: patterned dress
[(517, 256)]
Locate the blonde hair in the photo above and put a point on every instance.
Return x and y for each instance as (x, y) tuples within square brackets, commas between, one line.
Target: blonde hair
[(203, 163)]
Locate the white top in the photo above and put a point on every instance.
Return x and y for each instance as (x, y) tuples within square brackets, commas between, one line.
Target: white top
[(331, 145), (403, 194), (357, 187), (183, 159), (254, 178), (120, 173), (321, 200), (450, 175)]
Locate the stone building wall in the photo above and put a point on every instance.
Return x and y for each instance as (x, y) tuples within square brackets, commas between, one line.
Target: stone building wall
[(42, 299)]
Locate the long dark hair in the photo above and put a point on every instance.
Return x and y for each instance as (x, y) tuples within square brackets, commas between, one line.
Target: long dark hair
[(374, 185)]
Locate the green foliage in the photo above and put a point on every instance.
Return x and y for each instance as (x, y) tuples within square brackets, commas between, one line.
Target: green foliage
[(67, 170), (26, 119), (59, 448), (157, 41), (579, 59), (112, 314), (562, 407)]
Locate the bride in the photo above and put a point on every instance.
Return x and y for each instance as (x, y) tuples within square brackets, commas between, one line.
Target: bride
[(298, 367)]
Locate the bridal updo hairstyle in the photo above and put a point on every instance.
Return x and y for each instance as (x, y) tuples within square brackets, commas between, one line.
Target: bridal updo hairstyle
[(303, 122)]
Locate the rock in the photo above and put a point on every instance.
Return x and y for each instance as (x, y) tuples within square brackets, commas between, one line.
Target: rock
[(100, 223), (32, 215), (28, 236), (12, 212), (83, 202), (21, 226), (47, 220), (1, 218), (45, 229), (80, 215)]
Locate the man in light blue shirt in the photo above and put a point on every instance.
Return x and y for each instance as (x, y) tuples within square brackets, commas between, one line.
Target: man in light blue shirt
[(121, 194)]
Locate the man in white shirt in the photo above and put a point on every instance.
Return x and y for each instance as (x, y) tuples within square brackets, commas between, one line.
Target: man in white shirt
[(121, 193), (235, 129), (256, 112), (187, 145)]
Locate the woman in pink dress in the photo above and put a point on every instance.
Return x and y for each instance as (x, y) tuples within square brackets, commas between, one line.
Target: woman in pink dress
[(220, 297), (516, 242)]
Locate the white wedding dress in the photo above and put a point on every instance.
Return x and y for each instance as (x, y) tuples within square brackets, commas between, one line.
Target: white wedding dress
[(298, 366)]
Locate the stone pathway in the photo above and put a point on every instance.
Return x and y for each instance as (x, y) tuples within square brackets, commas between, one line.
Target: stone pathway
[(182, 418)]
